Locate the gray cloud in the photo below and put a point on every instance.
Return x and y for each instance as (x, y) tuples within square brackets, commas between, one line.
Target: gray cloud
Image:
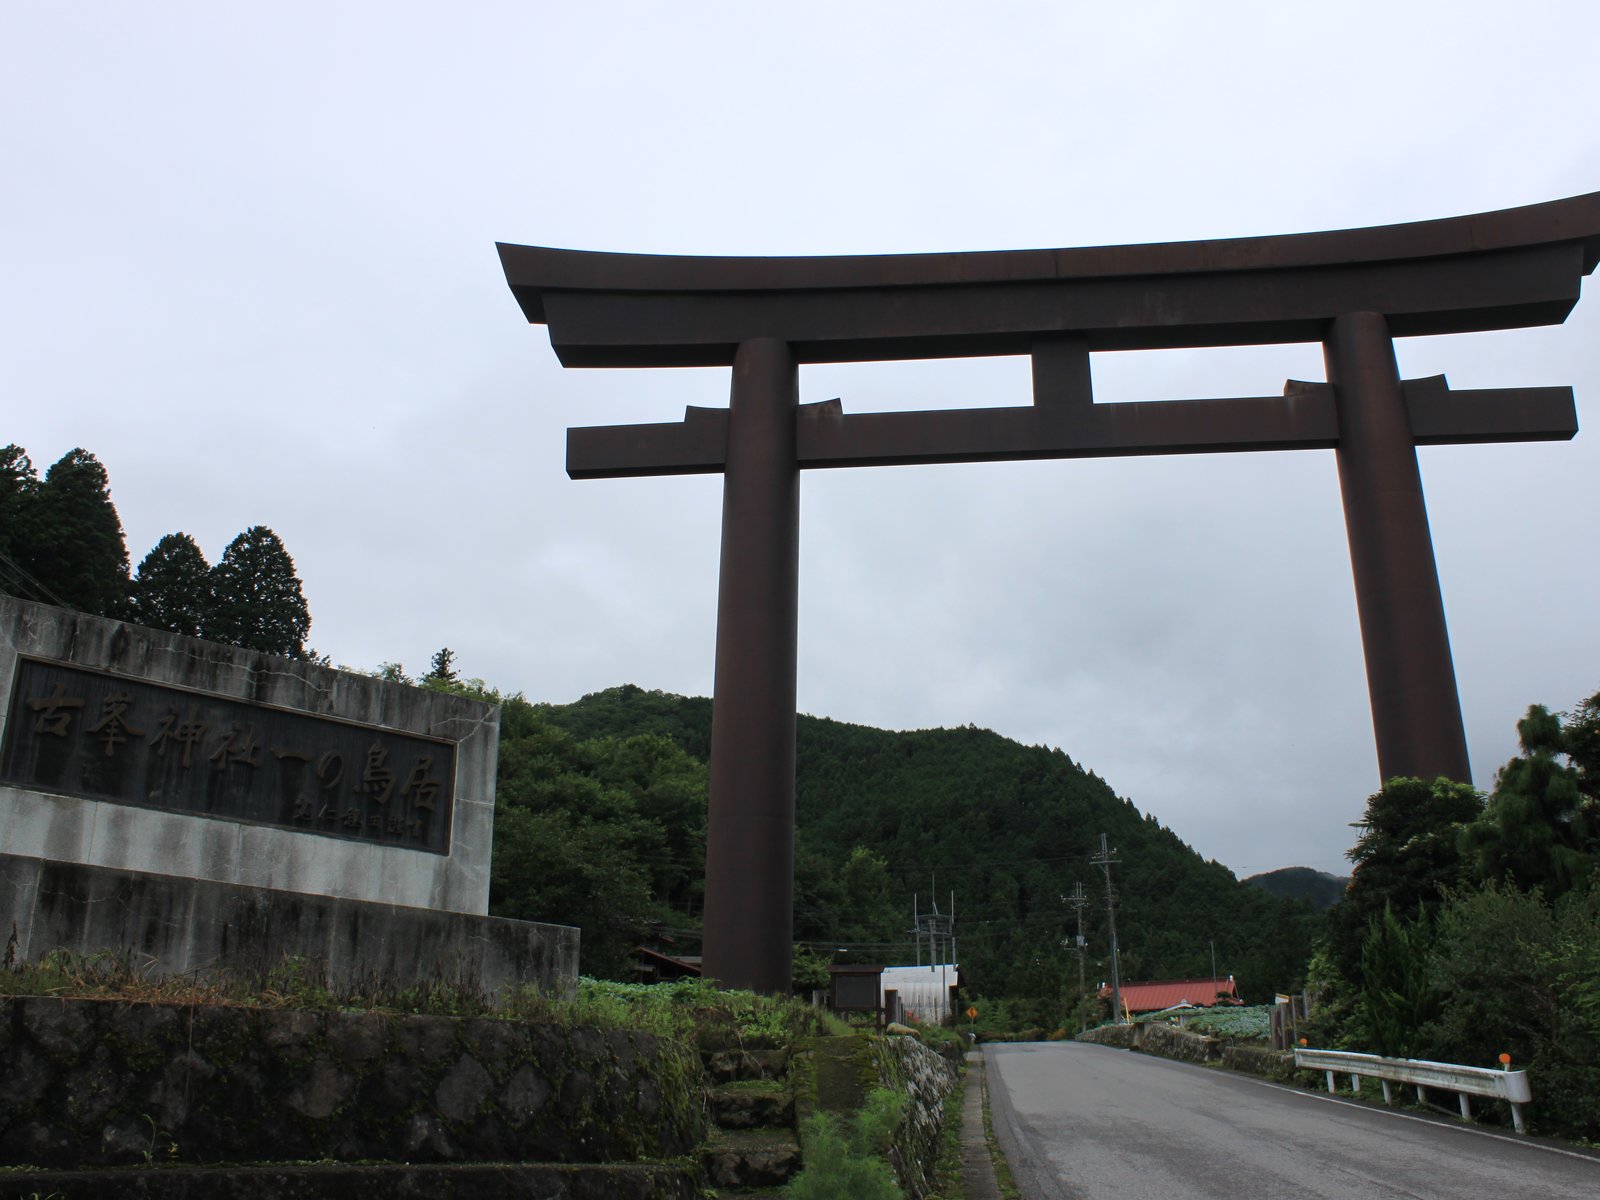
[(249, 262)]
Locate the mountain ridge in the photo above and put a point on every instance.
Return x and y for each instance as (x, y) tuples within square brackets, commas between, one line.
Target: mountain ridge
[(884, 815)]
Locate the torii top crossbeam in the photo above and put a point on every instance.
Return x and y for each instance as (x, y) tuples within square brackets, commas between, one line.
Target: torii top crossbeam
[(1352, 290), (1500, 270)]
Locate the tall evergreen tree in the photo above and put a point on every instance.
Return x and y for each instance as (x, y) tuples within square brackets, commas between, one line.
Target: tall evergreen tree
[(1396, 998), (1580, 738), (76, 550), (256, 601), (172, 589), (1539, 829), (19, 491), (1407, 856), (442, 668)]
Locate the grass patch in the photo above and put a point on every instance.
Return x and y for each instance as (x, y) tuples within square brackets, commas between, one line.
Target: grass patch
[(1002, 1169), (688, 1009), (945, 1178)]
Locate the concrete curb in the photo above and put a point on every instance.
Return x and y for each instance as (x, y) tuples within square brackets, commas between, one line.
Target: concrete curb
[(978, 1180)]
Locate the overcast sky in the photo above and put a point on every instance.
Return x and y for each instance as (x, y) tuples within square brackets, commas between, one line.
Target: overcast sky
[(247, 258)]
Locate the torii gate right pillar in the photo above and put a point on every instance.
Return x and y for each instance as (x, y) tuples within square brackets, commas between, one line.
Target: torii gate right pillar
[(1416, 710)]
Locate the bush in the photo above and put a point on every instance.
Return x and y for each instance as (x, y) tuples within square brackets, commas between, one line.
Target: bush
[(1520, 975), (845, 1158)]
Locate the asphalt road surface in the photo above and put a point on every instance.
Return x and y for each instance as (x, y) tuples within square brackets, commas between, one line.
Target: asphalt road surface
[(1081, 1122)]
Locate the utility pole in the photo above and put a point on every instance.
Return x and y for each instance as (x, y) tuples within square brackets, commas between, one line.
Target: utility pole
[(916, 925), (952, 928), (939, 928), (1078, 900), (1104, 860)]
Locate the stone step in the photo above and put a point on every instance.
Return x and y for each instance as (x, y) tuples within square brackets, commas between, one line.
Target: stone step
[(738, 1064), (753, 1158), (751, 1105), (297, 1181)]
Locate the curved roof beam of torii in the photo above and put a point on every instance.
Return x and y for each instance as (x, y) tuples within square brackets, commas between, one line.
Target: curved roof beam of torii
[(1499, 270)]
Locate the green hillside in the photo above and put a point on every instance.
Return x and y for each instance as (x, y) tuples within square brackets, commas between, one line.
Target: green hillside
[(1008, 828), (1317, 888)]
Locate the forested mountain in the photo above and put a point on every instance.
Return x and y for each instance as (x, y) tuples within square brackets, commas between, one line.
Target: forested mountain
[(1008, 828), (1317, 888)]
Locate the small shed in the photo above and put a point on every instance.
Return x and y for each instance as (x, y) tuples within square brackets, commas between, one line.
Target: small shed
[(655, 966)]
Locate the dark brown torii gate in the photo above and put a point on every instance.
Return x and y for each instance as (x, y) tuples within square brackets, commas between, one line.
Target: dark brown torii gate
[(1352, 290)]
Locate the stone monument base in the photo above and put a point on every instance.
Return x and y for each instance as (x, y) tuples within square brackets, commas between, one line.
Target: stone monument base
[(173, 925)]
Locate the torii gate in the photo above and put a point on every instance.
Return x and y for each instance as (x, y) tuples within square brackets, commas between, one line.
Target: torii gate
[(1352, 290)]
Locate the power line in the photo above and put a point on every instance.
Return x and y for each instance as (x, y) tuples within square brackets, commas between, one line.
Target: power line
[(20, 574)]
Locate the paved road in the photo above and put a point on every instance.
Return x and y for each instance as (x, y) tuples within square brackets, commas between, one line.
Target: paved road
[(1081, 1122)]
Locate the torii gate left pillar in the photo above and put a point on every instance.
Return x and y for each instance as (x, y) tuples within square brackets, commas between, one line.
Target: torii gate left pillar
[(1353, 291), (750, 822)]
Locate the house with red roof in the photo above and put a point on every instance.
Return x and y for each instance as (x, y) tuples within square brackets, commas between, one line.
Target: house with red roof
[(1158, 994)]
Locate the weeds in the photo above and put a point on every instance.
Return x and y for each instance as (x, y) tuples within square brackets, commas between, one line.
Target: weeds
[(688, 1009), (845, 1158), (163, 1146), (1002, 1169), (946, 1178)]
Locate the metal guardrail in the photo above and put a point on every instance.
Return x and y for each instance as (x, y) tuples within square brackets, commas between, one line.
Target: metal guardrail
[(1510, 1086)]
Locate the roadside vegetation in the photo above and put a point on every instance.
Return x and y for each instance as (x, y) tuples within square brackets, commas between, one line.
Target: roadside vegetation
[(687, 1010), (1471, 927)]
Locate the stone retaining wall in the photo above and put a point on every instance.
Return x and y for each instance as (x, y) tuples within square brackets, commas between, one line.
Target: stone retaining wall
[(1120, 1036), (92, 1083), (1169, 1041), (1258, 1060), (320, 1181), (925, 1077)]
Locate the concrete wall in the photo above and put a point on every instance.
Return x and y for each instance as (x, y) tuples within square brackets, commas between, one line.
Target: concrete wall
[(174, 926), (72, 829)]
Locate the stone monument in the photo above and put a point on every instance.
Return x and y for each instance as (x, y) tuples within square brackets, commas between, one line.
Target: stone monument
[(204, 806)]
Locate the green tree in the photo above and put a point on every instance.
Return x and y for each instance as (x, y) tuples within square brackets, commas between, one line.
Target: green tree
[(71, 538), (1580, 738), (868, 909), (1407, 854), (172, 588), (19, 489), (555, 866), (668, 789), (1396, 997), (570, 845), (442, 668), (256, 601), (1539, 828), (1521, 975)]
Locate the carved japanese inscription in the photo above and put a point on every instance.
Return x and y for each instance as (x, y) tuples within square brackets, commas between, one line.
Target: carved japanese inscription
[(104, 737)]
